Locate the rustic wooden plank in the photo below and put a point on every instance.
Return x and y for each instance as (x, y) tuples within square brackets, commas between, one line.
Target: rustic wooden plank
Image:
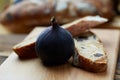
[(2, 59), (117, 73), (8, 41)]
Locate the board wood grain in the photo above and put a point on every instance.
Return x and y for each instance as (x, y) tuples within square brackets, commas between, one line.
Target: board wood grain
[(15, 69)]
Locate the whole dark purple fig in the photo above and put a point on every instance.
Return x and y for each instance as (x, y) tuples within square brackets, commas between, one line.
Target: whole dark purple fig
[(55, 45)]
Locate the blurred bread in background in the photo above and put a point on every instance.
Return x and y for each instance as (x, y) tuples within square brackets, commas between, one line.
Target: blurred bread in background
[(23, 15)]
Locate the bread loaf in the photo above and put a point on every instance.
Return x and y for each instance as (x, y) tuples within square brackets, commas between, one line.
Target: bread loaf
[(24, 16), (25, 49), (90, 53)]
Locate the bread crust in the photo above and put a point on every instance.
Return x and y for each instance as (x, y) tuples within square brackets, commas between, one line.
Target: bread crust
[(25, 52), (98, 65), (89, 65)]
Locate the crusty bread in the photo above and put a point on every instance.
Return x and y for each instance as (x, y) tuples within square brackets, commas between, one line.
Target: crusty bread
[(90, 53), (84, 24), (24, 16), (25, 49)]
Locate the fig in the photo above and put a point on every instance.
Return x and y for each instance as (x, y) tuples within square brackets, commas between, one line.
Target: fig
[(54, 45)]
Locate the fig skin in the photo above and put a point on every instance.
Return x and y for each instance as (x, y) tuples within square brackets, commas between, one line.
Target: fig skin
[(54, 46)]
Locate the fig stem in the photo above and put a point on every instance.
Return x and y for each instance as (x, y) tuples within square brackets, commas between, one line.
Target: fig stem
[(54, 23)]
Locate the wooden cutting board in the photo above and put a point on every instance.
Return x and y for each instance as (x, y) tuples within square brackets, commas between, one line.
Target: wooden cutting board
[(15, 69)]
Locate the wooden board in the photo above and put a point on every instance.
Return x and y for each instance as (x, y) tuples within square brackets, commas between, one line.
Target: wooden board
[(15, 69)]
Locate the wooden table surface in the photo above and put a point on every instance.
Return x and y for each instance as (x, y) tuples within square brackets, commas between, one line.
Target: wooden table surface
[(7, 40)]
